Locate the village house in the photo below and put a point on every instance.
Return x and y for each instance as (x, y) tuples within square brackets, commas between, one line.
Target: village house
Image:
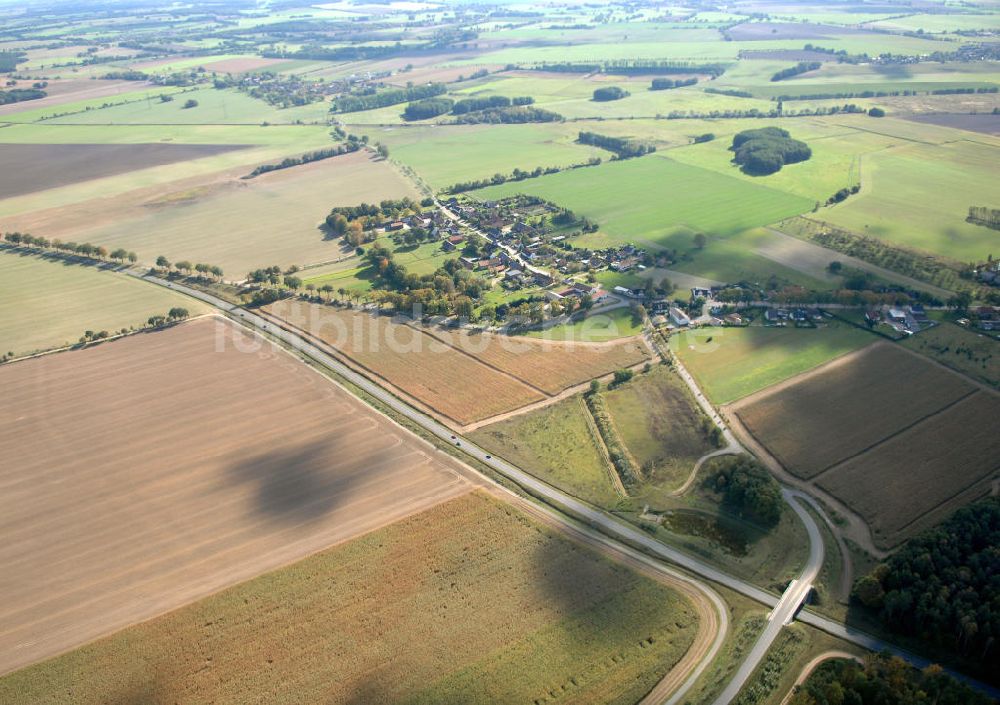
[(678, 317)]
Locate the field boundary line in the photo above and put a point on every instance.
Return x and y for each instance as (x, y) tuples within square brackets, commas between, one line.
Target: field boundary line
[(361, 369), (698, 656), (859, 531), (904, 429), (493, 367), (602, 447), (767, 392), (566, 393)]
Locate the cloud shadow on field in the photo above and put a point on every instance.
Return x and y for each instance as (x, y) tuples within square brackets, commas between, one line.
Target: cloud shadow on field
[(302, 483)]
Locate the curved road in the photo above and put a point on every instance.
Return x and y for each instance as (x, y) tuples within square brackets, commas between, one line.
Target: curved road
[(783, 609), (571, 506)]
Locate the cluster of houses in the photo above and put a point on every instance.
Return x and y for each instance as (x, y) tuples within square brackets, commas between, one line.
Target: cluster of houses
[(905, 320), (518, 225), (985, 318), (794, 316)]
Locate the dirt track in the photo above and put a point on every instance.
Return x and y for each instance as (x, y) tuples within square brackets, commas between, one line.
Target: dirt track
[(147, 473)]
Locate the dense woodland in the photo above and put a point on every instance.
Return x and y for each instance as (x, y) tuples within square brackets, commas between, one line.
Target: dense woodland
[(766, 150), (372, 99), (943, 586), (16, 95), (427, 108), (883, 680), (514, 115), (748, 489)]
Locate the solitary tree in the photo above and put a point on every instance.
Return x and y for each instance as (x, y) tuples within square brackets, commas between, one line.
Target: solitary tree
[(177, 313), (162, 262), (700, 241)]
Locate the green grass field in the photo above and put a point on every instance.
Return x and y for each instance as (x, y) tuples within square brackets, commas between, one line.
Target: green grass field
[(731, 363), (443, 156), (656, 200), (968, 351), (919, 196), (597, 328), (49, 303), (660, 424), (556, 444)]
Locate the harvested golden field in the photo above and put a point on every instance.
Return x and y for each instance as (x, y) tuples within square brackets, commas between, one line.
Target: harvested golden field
[(549, 365), (468, 602), (916, 478), (146, 473), (436, 375), (217, 217), (837, 411)]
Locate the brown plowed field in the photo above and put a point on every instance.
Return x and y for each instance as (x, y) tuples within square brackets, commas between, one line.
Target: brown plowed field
[(436, 375), (849, 405), (899, 440), (37, 167), (551, 366), (142, 474), (916, 478), (464, 377), (469, 602)]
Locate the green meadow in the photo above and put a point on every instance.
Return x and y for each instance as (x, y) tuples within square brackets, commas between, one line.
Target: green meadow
[(659, 201), (443, 156), (731, 363)]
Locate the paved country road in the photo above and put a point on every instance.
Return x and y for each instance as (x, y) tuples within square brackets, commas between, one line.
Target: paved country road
[(783, 609)]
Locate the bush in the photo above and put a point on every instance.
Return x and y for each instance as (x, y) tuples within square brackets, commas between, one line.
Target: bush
[(609, 93), (189, 103), (876, 112), (428, 108)]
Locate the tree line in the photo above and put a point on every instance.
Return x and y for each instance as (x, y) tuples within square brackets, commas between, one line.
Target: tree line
[(664, 84), (933, 270), (765, 150), (628, 67), (19, 95), (84, 249), (318, 155), (471, 105), (427, 108), (616, 451), (514, 115), (732, 92), (187, 268), (384, 98), (799, 68), (516, 175), (983, 215), (623, 148), (941, 586)]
